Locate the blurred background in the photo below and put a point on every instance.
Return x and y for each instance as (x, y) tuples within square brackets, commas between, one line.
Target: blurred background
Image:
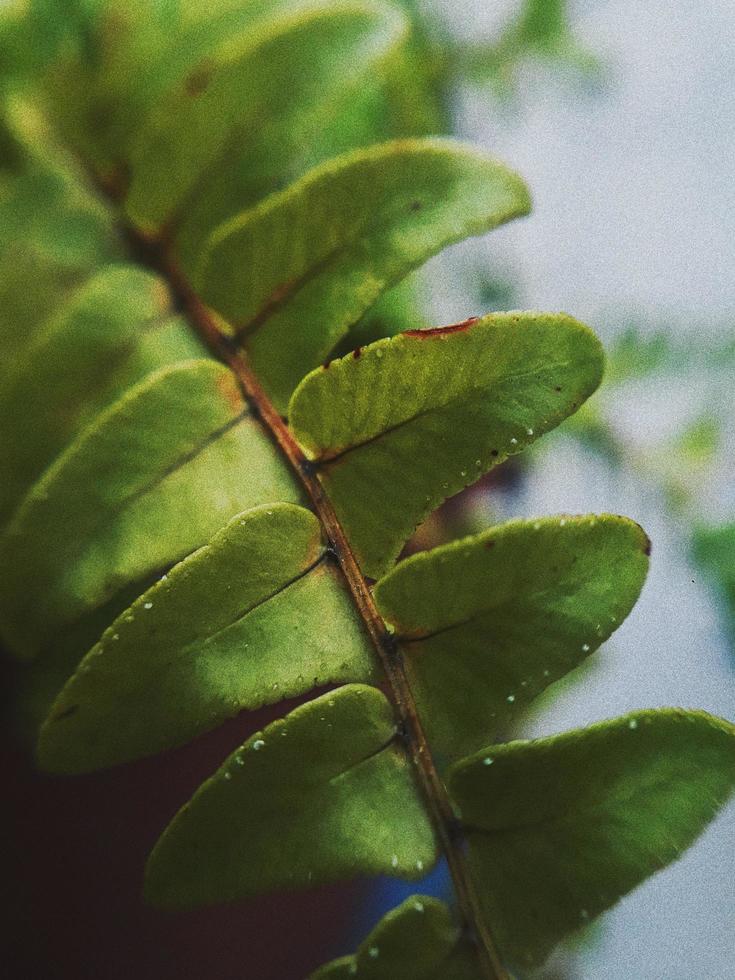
[(620, 115)]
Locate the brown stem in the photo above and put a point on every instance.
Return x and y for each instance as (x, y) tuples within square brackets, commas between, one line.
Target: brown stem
[(440, 808)]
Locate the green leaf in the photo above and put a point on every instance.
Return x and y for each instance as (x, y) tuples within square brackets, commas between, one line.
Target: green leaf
[(561, 828), (294, 274), (543, 22), (229, 628), (157, 474), (162, 66), (487, 623), (714, 550), (102, 69), (541, 29), (399, 100), (395, 312), (298, 133), (419, 940), (278, 69), (414, 419), (296, 805), (109, 335), (52, 235), (39, 681)]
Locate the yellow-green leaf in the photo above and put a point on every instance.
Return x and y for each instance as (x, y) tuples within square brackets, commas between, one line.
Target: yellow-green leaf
[(561, 828), (325, 794), (420, 416), (487, 623), (295, 273), (153, 478), (229, 628)]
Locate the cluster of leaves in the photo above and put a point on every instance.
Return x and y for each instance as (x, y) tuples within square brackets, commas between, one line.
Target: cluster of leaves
[(164, 565)]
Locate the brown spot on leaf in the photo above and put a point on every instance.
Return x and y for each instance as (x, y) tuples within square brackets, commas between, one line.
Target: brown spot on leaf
[(357, 352), (197, 81), (489, 544), (647, 547), (442, 331), (416, 205)]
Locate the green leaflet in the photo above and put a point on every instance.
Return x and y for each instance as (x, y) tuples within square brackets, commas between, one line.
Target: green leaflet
[(416, 941), (250, 78), (39, 681), (52, 235), (308, 128), (108, 336), (392, 314), (101, 71), (296, 805), (714, 549), (561, 828), (487, 623), (414, 419), (399, 100), (229, 628), (115, 68), (295, 273), (155, 476)]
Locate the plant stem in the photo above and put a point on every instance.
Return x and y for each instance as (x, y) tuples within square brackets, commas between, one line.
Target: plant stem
[(446, 825)]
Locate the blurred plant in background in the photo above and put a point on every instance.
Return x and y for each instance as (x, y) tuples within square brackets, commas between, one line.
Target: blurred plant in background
[(689, 460)]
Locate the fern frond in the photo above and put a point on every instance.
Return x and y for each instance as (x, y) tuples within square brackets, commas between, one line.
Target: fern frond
[(196, 521)]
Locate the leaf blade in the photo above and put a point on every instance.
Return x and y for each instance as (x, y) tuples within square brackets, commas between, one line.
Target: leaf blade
[(418, 417), (488, 622), (295, 809), (108, 336), (228, 629), (251, 76), (565, 826), (157, 474), (346, 232), (418, 940)]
